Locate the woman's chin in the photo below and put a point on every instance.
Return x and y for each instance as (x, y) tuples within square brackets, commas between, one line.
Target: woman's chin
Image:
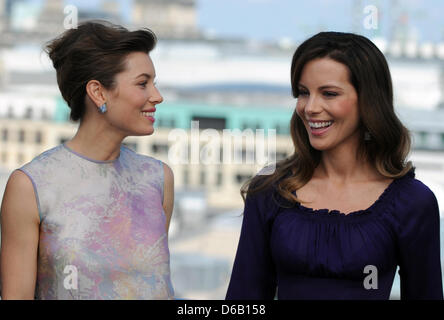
[(145, 132), (320, 146), (148, 133)]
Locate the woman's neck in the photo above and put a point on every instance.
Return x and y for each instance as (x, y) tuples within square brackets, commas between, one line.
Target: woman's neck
[(96, 141), (342, 166)]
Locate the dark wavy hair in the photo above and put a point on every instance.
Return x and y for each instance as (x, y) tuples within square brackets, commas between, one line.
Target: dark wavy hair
[(370, 76), (96, 50)]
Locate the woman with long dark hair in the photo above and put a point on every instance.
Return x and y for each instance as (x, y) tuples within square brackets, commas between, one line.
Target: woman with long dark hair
[(88, 219), (336, 218)]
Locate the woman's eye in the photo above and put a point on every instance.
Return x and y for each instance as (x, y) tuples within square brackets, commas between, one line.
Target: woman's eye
[(143, 84), (330, 94), (303, 93)]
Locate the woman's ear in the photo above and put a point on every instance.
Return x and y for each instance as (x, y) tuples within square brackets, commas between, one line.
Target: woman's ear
[(95, 92)]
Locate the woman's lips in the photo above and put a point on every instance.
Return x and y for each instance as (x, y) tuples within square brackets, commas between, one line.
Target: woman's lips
[(149, 117), (320, 131)]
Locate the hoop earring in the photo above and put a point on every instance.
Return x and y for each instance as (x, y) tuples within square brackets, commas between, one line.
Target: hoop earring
[(102, 108)]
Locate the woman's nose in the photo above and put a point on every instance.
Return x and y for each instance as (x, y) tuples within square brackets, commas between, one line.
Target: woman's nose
[(312, 106), (156, 96)]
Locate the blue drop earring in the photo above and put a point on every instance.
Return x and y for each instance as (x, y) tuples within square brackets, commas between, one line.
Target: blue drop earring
[(102, 108)]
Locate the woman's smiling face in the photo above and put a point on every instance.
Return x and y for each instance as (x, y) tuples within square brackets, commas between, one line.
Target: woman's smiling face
[(328, 104), (134, 96)]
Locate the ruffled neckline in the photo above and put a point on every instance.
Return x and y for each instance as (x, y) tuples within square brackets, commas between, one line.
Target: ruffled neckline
[(384, 197)]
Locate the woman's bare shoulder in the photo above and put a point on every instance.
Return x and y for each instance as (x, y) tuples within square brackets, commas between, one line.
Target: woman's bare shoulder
[(19, 198)]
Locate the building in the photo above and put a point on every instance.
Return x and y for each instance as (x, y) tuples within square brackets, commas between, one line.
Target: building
[(220, 84), (175, 19), (24, 136), (34, 23), (22, 139)]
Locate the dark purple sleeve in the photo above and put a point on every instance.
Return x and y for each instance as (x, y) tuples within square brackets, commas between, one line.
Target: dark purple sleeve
[(419, 245), (253, 275)]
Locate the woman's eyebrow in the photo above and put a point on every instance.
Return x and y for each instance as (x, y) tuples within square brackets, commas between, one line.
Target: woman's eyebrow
[(328, 86), (144, 74)]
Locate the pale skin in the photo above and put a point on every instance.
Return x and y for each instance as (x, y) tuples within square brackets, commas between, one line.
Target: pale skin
[(340, 182), (99, 137)]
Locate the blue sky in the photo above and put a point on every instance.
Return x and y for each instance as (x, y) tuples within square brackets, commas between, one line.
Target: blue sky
[(271, 19), (296, 19)]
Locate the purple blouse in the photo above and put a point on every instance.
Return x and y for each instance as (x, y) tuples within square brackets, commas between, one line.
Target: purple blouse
[(302, 253)]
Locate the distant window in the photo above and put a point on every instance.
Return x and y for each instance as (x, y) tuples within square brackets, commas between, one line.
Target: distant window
[(4, 157), (422, 138), (10, 114), (281, 155), (28, 113), (219, 178), (247, 156), (159, 148), (241, 178), (5, 134), (210, 122), (20, 158), (38, 137), (45, 115), (21, 135), (186, 177), (63, 140), (203, 177), (442, 140)]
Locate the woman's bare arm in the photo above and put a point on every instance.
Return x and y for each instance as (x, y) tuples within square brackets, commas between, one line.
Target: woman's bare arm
[(19, 238), (168, 194)]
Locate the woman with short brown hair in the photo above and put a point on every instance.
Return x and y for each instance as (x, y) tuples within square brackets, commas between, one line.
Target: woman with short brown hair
[(88, 219)]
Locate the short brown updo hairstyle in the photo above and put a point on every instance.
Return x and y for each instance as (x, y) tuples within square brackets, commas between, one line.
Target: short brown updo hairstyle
[(96, 50)]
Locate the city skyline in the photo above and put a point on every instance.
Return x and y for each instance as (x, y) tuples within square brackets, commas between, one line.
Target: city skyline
[(277, 20)]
